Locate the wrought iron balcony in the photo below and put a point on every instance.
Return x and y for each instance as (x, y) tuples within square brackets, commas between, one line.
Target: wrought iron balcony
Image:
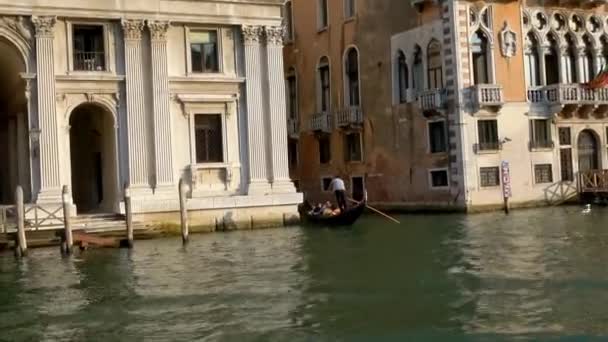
[(432, 101), (350, 116), (321, 122), (89, 61), (293, 128), (487, 147), (541, 145), (486, 96)]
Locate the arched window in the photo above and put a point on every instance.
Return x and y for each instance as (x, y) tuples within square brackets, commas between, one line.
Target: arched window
[(435, 65), (292, 94), (588, 71), (418, 72), (351, 68), (552, 61), (570, 61), (480, 57), (324, 84), (532, 60), (288, 15), (402, 77)]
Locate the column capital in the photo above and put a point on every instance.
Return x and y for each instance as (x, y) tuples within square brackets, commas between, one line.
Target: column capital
[(158, 29), (44, 26), (252, 34), (132, 29), (274, 35)]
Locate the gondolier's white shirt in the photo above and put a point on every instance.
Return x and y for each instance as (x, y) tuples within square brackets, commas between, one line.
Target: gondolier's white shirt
[(337, 185)]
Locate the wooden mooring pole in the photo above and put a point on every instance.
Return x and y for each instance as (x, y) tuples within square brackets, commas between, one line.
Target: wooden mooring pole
[(21, 249), (128, 217), (66, 246), (183, 210)]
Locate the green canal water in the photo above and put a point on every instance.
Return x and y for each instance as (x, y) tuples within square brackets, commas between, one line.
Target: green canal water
[(538, 275)]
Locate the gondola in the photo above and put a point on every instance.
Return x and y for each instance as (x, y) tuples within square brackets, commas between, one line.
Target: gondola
[(347, 218)]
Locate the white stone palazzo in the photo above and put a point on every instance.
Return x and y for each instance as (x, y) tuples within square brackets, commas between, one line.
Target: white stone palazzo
[(163, 147), (136, 111), (50, 177)]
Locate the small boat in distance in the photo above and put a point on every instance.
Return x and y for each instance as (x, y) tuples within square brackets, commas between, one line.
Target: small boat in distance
[(347, 218)]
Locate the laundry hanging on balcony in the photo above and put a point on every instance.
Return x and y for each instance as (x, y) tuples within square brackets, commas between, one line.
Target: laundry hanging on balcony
[(600, 81)]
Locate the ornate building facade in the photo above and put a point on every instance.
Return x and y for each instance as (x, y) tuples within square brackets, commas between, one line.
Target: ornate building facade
[(102, 95), (461, 102)]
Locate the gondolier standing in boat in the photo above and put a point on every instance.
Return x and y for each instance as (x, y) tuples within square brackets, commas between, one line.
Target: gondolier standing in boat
[(337, 186)]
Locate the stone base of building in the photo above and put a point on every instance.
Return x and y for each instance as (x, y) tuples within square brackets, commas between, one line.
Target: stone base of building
[(419, 207), (484, 208)]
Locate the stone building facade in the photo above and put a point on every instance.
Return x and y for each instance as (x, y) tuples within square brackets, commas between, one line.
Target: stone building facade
[(454, 93), (105, 94)]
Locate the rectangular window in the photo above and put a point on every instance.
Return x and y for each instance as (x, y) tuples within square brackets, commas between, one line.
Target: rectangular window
[(204, 51), (352, 145), (489, 176), (325, 95), (292, 97), (292, 150), (88, 47), (488, 135), (439, 178), (543, 173), (324, 150), (437, 138), (540, 134), (349, 8), (565, 161), (209, 141), (564, 136), (325, 183), (322, 14)]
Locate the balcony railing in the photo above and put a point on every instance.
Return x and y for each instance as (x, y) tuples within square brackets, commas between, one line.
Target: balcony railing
[(577, 3), (432, 100), (486, 95), (573, 96), (541, 144), (349, 116), (488, 146), (293, 129), (89, 61), (321, 122)]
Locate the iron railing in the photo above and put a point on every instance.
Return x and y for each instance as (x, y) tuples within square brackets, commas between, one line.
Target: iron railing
[(89, 61)]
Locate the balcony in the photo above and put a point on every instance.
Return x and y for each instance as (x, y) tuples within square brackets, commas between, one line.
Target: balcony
[(351, 117), (569, 99), (89, 61), (486, 96), (431, 102), (487, 147), (541, 145), (321, 122), (293, 128), (576, 3)]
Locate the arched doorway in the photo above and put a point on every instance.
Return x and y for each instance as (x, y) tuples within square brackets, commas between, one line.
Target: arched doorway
[(93, 159), (14, 141), (588, 152)]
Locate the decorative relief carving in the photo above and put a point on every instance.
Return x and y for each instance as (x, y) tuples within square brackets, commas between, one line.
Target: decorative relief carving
[(158, 29), (508, 41), (132, 29), (90, 97), (44, 26), (252, 34), (18, 25), (274, 34)]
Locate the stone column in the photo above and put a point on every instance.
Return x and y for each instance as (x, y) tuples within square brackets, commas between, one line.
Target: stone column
[(581, 67), (277, 111), (163, 147), (136, 112), (597, 61), (256, 132), (50, 174), (563, 54), (542, 72)]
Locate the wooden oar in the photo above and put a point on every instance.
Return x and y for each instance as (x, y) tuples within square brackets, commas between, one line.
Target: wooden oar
[(377, 211)]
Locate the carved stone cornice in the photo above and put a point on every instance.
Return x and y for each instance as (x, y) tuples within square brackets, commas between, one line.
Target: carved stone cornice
[(158, 29), (252, 34), (274, 35), (132, 29), (17, 25), (44, 26)]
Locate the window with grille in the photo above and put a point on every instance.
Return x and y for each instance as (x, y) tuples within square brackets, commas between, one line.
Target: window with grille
[(437, 138), (204, 51), (489, 176), (209, 141), (352, 144), (543, 173), (88, 48), (439, 178), (324, 150), (488, 135), (540, 134), (565, 159)]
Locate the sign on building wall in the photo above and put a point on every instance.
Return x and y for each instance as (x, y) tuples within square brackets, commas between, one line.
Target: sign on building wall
[(506, 179)]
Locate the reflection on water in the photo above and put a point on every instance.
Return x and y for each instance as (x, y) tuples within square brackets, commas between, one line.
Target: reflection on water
[(537, 274)]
